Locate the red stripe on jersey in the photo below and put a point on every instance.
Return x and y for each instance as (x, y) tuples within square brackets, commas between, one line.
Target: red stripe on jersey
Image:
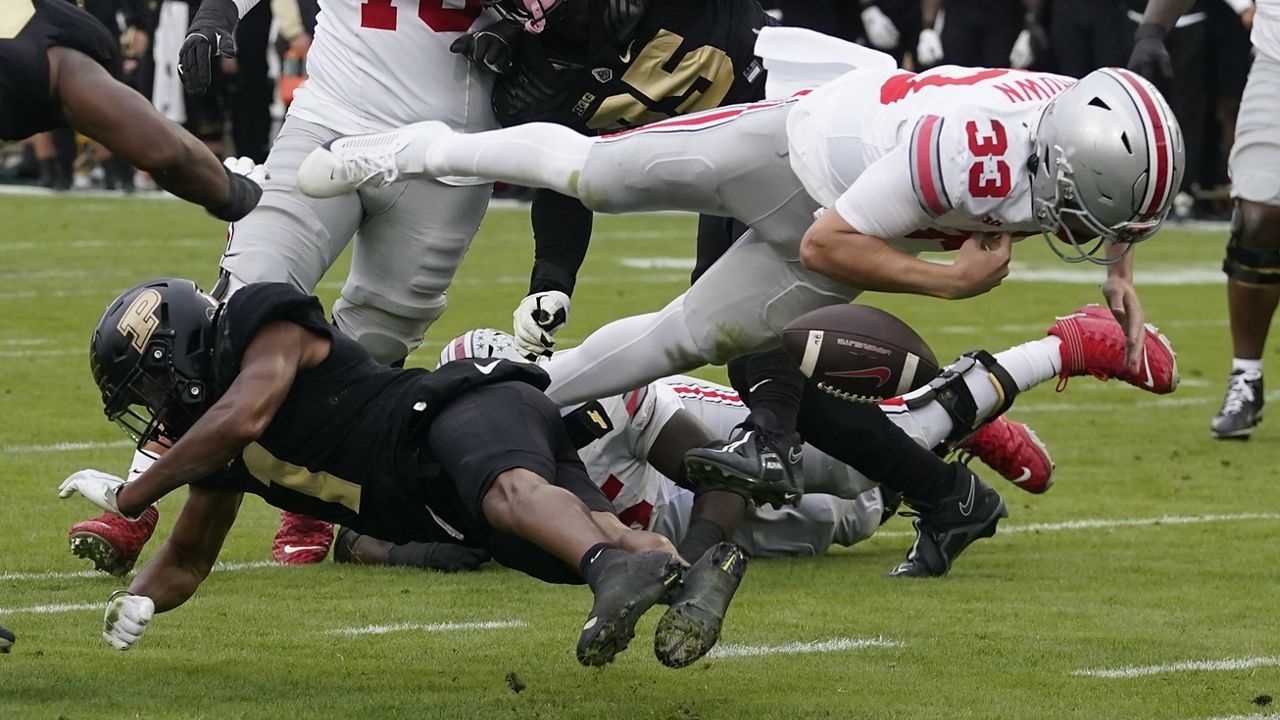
[(694, 391), (459, 346), (1163, 148), (893, 401), (923, 145), (632, 400)]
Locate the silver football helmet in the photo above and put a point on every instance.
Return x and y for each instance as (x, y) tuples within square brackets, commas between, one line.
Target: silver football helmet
[(481, 343), (1108, 161)]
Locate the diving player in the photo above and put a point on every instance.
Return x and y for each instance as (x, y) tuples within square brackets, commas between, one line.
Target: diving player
[(261, 394)]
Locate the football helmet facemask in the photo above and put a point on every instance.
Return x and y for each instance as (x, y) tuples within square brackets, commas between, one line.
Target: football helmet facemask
[(533, 14), (150, 356), (1108, 161)]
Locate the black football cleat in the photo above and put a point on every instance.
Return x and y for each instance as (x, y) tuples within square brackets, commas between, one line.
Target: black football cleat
[(7, 639), (691, 626), (943, 531), (762, 466), (628, 586)]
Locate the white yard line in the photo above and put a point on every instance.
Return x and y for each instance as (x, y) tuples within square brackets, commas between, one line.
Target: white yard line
[(1103, 524), (1134, 671), (52, 575), (725, 650), (1268, 716), (64, 447), (50, 609), (428, 627)]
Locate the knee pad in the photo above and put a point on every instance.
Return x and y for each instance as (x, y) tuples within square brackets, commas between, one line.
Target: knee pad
[(953, 395), (388, 330), (1246, 264)]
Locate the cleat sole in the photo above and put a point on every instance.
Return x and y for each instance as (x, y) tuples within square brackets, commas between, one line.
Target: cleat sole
[(95, 549)]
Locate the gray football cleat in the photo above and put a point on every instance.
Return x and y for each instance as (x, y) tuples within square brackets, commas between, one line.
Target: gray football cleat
[(1241, 407)]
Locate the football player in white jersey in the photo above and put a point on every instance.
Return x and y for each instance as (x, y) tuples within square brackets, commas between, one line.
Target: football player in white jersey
[(1253, 252), (373, 66), (894, 162)]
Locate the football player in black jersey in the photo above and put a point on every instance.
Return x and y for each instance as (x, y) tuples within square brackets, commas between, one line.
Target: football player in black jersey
[(600, 67), (57, 68), (260, 394)]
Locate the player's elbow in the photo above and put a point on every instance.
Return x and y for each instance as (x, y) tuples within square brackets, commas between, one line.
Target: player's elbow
[(816, 250)]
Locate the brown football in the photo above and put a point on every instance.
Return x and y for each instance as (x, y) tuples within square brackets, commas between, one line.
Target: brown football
[(864, 353)]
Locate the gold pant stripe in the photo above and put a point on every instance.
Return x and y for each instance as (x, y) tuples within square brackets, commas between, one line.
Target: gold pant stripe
[(267, 469)]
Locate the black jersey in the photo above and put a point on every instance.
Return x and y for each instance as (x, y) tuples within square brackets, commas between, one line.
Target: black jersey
[(28, 29), (347, 444), (677, 57)]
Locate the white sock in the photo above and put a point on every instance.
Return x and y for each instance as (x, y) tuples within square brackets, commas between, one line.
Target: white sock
[(535, 155), (1250, 367), (1029, 364), (624, 355), (141, 461)]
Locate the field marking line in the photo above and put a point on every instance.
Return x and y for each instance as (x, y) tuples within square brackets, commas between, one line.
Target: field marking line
[(1134, 671), (64, 447), (428, 627), (1267, 716), (1103, 523), (725, 650), (55, 575), (50, 609)]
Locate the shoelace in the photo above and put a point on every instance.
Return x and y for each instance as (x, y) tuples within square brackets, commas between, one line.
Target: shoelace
[(1239, 393), (380, 167)]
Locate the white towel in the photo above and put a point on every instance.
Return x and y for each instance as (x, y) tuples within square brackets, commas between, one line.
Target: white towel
[(166, 92), (797, 58)]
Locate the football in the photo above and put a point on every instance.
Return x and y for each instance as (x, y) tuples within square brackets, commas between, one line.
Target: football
[(860, 352)]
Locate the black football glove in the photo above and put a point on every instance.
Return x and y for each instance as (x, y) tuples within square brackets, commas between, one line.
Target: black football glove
[(210, 35), (492, 46), (448, 557), (1150, 57)]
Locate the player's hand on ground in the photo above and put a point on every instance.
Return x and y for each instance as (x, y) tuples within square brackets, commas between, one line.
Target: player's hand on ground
[(929, 48), (981, 264), (448, 557), (537, 318), (96, 486), (492, 46), (1122, 298), (211, 35), (126, 619), (880, 29), (248, 168), (1150, 57)]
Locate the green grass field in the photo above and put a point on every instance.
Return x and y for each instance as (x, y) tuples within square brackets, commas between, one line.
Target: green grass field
[(1003, 637)]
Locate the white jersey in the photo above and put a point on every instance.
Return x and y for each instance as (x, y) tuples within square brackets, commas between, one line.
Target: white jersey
[(1266, 28), (647, 500), (923, 160), (383, 64)]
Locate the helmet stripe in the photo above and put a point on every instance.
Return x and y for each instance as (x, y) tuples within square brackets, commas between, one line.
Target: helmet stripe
[(1161, 187)]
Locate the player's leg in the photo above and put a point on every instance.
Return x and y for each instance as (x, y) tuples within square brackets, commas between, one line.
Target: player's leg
[(811, 526), (499, 446), (124, 122), (1253, 252), (289, 237), (405, 257)]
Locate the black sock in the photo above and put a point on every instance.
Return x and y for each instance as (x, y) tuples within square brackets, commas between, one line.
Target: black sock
[(862, 437), (769, 383), (589, 566), (701, 536)]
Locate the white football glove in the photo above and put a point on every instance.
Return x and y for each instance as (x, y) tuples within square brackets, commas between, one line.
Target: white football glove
[(126, 619), (248, 168), (929, 47), (880, 29), (1022, 55), (96, 486), (537, 318)]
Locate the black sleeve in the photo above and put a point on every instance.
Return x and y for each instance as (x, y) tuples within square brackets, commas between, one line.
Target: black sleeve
[(251, 307), (615, 20), (561, 234)]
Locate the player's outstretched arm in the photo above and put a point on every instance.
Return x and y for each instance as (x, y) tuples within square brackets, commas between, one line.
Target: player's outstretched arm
[(267, 371), (1122, 298), (126, 124), (185, 559), (836, 249)]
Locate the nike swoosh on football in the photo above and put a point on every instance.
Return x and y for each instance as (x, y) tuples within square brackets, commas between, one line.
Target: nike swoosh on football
[(486, 369), (966, 507), (291, 549)]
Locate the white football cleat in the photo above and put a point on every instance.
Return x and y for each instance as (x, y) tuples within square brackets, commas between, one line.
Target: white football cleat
[(375, 160)]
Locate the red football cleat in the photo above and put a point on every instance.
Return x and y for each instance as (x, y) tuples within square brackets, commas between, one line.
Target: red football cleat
[(1013, 450), (301, 540), (1093, 344), (111, 542)]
